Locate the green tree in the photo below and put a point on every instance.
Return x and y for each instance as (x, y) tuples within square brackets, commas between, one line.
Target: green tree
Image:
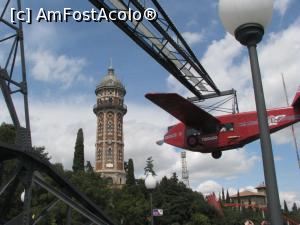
[(227, 197), (223, 195), (78, 160), (149, 166), (200, 219), (285, 209), (7, 133), (130, 179), (294, 208), (40, 152), (88, 167), (238, 197)]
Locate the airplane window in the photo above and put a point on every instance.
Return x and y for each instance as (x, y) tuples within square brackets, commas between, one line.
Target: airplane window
[(191, 131), (223, 128), (229, 126), (226, 127)]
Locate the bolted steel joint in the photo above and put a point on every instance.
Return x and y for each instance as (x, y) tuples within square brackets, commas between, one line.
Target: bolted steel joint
[(249, 34)]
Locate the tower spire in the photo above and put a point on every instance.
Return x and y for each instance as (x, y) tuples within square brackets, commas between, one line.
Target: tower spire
[(111, 71), (110, 63)]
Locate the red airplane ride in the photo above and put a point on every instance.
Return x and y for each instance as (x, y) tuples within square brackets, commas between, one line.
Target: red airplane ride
[(199, 131)]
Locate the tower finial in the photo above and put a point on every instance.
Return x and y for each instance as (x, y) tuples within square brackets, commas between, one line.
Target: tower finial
[(111, 63)]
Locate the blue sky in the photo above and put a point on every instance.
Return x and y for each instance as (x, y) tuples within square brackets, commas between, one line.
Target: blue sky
[(65, 61)]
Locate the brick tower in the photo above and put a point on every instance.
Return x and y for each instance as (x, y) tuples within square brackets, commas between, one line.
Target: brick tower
[(110, 109)]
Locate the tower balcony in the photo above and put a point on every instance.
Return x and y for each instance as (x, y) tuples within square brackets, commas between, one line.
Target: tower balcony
[(108, 105)]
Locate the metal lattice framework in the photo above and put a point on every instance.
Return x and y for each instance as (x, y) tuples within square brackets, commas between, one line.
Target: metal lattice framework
[(13, 84), (185, 172), (13, 78), (160, 39)]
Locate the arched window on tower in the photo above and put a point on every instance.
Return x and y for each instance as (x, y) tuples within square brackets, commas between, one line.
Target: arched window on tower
[(110, 123), (109, 154), (119, 125), (120, 154), (100, 124), (99, 154)]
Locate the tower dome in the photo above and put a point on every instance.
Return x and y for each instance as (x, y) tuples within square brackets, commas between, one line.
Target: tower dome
[(110, 81)]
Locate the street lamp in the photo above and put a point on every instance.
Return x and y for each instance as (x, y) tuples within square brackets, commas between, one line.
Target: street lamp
[(150, 183), (247, 20)]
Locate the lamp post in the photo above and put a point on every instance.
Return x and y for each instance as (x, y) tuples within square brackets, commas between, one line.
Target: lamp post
[(247, 20), (150, 184)]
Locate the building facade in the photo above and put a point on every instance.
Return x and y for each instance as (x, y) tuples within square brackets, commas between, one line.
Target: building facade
[(110, 109), (249, 197)]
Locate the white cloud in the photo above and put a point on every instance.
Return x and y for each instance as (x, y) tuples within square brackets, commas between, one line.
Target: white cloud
[(192, 37), (175, 86), (234, 162), (282, 5), (55, 125), (209, 186), (290, 198), (50, 67)]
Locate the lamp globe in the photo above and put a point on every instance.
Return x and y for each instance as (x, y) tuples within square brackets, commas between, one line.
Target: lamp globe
[(235, 13), (150, 181)]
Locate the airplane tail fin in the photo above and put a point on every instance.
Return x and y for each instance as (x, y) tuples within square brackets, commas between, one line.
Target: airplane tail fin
[(296, 101)]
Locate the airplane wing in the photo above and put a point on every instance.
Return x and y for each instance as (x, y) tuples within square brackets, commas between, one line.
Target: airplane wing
[(185, 111)]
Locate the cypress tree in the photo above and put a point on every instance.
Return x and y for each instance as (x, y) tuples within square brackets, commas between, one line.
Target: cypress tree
[(223, 195), (130, 179), (294, 208), (238, 197), (227, 197), (78, 160), (286, 209)]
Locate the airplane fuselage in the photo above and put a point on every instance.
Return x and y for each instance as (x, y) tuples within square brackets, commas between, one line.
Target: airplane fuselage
[(235, 131)]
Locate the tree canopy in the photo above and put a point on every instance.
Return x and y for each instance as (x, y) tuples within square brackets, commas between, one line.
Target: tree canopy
[(130, 178), (78, 160), (149, 166)]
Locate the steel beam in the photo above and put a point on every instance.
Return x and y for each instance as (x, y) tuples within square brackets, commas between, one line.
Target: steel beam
[(12, 178), (214, 95), (63, 197), (45, 211)]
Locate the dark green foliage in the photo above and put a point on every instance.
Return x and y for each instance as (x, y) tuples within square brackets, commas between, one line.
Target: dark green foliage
[(227, 197), (7, 133), (178, 202), (295, 213), (223, 195), (130, 179), (88, 167), (78, 160), (294, 208), (200, 219), (149, 166), (129, 205), (238, 197), (40, 152), (285, 207)]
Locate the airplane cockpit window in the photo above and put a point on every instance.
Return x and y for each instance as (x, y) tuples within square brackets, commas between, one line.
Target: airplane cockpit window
[(226, 127), (191, 131)]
